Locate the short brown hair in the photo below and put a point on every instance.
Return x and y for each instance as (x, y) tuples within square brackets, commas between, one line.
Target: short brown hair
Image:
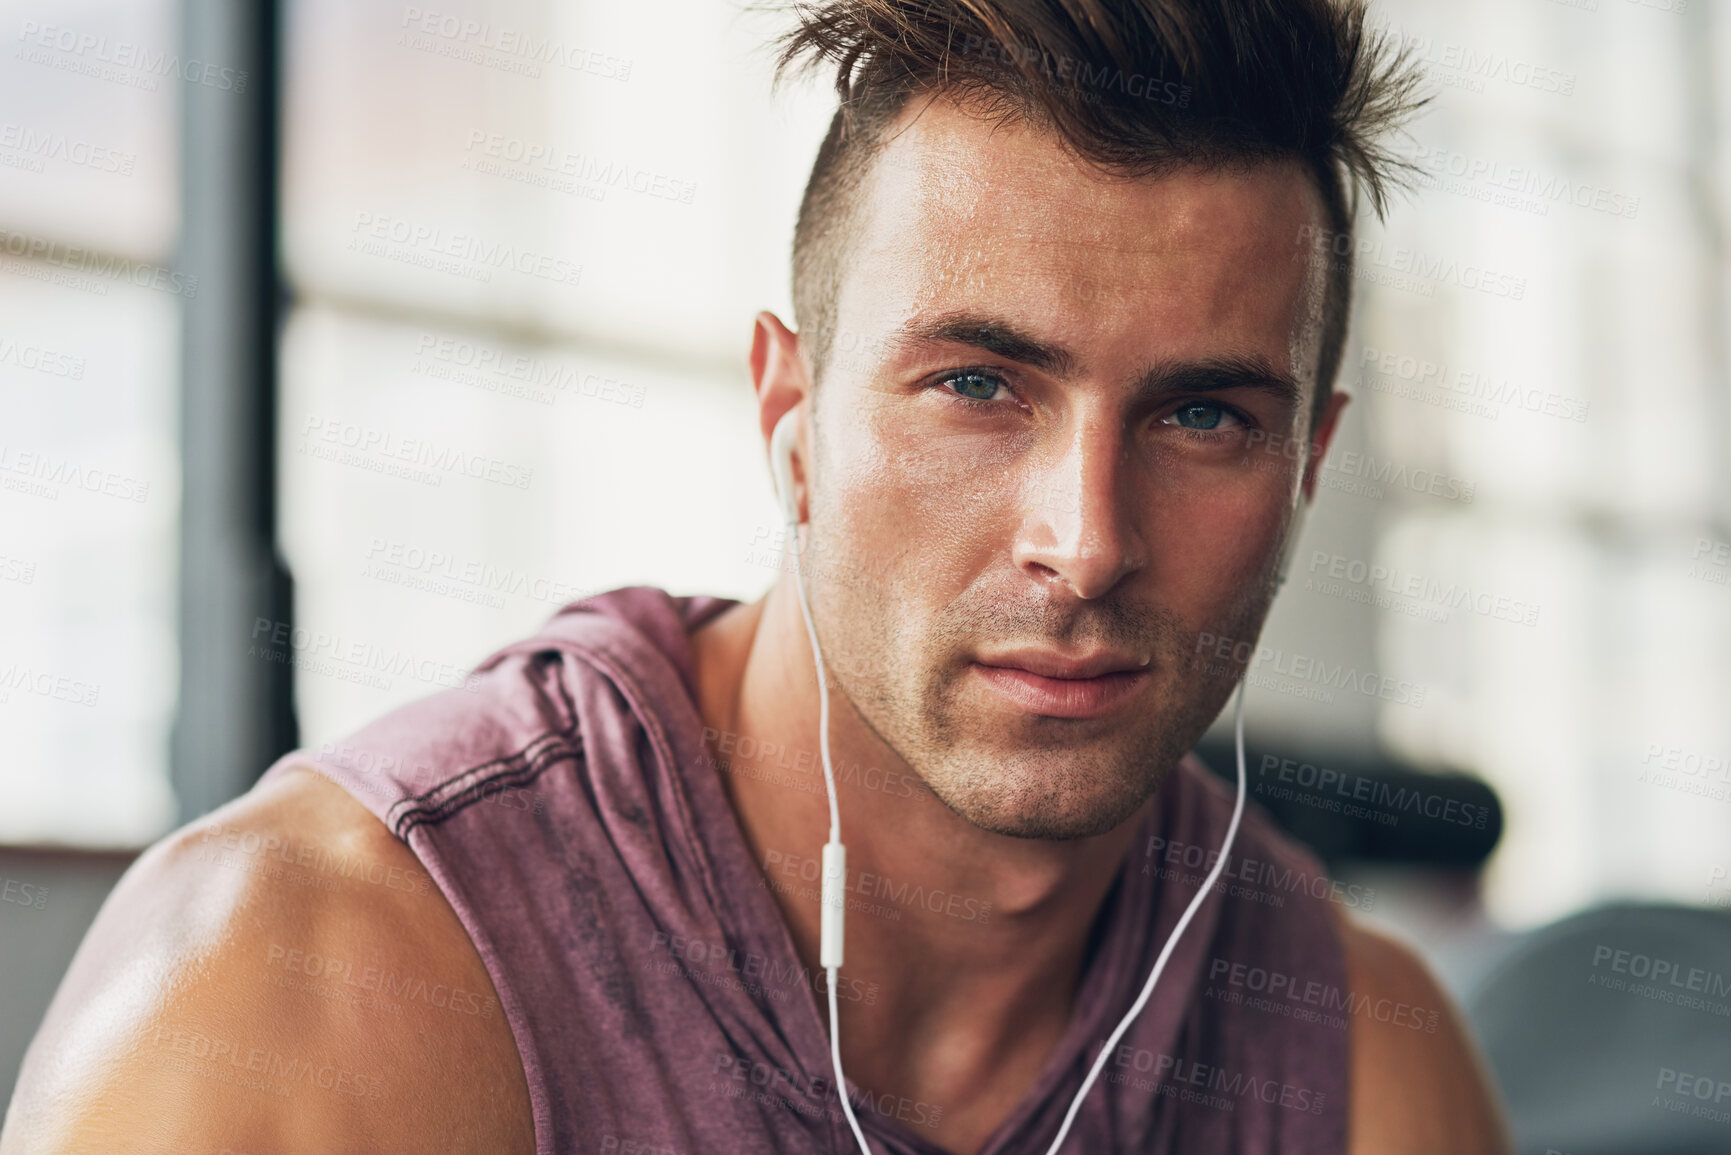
[(1141, 87)]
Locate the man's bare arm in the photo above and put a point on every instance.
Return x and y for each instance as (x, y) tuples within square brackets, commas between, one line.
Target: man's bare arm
[(280, 976), (1419, 1086)]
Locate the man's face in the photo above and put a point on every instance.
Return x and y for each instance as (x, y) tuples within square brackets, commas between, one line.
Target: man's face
[(1048, 459)]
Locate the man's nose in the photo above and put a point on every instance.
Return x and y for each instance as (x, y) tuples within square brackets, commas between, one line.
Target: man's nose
[(1078, 523)]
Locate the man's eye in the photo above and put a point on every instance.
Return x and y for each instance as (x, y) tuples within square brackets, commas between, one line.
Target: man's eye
[(1203, 415), (974, 386)]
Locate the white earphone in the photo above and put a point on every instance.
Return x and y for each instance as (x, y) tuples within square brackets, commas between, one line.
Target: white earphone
[(834, 903)]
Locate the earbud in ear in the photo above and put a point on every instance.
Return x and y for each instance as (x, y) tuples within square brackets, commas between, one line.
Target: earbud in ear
[(781, 444)]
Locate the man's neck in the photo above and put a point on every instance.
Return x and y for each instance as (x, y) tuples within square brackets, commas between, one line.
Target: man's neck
[(964, 948)]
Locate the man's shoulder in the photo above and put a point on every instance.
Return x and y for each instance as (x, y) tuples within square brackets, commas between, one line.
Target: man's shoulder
[(247, 984), (1419, 1085)]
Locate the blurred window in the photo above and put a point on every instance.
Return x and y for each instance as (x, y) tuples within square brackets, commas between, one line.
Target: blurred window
[(89, 419)]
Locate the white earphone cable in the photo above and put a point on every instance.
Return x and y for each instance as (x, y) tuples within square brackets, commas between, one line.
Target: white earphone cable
[(822, 681), (830, 950)]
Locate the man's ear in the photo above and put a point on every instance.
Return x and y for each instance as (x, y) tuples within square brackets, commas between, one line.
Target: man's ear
[(1320, 439), (780, 377), (778, 371)]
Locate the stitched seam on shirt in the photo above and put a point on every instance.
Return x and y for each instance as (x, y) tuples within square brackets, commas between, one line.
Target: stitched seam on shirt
[(475, 783)]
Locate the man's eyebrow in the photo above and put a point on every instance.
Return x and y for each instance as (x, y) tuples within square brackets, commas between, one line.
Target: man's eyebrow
[(992, 334), (1206, 375), (1212, 374)]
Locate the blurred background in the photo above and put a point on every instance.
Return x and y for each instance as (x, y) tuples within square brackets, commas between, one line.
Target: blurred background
[(342, 344)]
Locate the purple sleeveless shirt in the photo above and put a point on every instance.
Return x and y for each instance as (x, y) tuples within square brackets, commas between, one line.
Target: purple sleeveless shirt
[(565, 805)]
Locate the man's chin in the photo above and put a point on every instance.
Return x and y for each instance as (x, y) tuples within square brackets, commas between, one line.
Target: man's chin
[(1041, 812)]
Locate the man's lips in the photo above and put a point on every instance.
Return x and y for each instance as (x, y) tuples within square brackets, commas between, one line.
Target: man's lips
[(1057, 686), (1054, 665)]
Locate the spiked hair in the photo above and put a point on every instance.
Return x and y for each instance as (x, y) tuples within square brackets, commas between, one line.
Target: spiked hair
[(1140, 87)]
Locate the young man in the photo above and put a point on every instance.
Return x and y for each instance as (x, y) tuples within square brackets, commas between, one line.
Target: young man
[(1062, 382)]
